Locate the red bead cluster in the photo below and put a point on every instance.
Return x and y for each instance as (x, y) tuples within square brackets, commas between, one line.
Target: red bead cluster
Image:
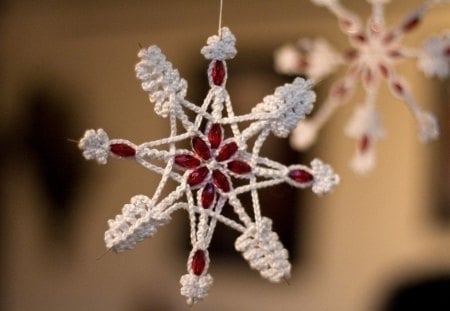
[(214, 150)]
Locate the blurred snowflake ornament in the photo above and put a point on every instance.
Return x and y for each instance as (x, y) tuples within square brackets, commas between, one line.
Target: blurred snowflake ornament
[(205, 173), (375, 50)]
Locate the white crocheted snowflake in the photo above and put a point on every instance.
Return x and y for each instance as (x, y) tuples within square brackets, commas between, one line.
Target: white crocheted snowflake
[(206, 172), (375, 50)]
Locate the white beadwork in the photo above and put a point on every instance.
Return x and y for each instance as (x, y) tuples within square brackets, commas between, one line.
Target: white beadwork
[(375, 51), (210, 165), (95, 145), (194, 287), (264, 252), (317, 57), (428, 127), (162, 83), (434, 58), (289, 104), (220, 47), (324, 177), (365, 123), (139, 220)]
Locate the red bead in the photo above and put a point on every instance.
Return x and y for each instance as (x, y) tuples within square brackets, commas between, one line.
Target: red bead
[(198, 176), (198, 263), (411, 23), (221, 181), (218, 72), (227, 151), (208, 195), (351, 55), (122, 150), (368, 76), (301, 176), (447, 52), (201, 148), (215, 135), (389, 37), (398, 88), (302, 64), (384, 70), (346, 24), (395, 54), (360, 38), (364, 143), (339, 90), (187, 161), (239, 167)]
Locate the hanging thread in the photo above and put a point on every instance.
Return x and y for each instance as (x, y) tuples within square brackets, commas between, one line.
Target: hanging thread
[(220, 19)]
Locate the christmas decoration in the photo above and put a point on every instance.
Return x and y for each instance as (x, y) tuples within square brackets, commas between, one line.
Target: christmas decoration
[(206, 172), (375, 50)]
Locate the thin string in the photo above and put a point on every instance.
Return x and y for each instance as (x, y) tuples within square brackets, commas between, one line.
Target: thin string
[(220, 19)]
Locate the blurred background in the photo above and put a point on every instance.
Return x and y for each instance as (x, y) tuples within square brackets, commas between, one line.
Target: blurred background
[(380, 242)]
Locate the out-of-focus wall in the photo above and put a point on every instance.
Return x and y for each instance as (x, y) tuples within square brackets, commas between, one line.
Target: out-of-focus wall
[(369, 234)]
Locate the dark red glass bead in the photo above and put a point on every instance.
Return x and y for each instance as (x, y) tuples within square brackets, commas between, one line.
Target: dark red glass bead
[(411, 22), (208, 195), (395, 54), (384, 70), (398, 88), (346, 24), (301, 176), (447, 52), (360, 38), (239, 167), (389, 37), (302, 64), (122, 150), (218, 72), (201, 148), (339, 90), (351, 55), (198, 263), (368, 76), (197, 176), (364, 143), (227, 151), (187, 161), (221, 181), (215, 135)]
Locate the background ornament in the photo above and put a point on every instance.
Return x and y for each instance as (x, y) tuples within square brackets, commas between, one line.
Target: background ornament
[(374, 51)]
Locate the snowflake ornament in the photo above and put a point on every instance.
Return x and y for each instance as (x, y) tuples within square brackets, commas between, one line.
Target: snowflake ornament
[(375, 50), (206, 172)]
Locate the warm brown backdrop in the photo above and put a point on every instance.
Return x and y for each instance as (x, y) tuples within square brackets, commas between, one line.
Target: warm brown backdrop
[(358, 243)]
